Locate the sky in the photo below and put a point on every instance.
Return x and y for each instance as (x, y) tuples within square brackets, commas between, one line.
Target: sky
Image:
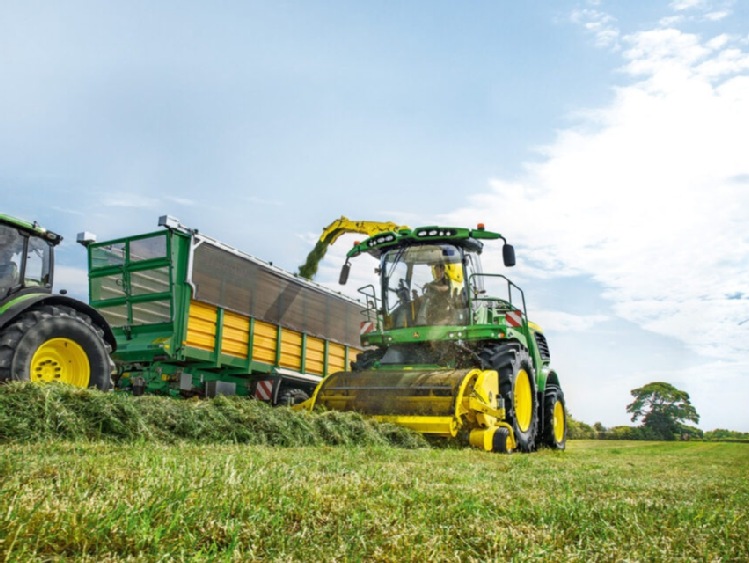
[(607, 140)]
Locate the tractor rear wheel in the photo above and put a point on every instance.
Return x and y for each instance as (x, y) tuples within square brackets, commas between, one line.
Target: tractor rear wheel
[(55, 343), (555, 419)]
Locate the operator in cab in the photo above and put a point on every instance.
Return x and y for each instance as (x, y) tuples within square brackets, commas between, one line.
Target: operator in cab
[(441, 294), (10, 250)]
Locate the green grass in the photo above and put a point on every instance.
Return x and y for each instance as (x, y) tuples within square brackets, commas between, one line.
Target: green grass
[(87, 476), (598, 501)]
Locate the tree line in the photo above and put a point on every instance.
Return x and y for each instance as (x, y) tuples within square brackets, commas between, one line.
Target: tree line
[(663, 411)]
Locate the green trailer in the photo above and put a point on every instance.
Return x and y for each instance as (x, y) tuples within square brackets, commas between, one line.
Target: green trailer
[(192, 316)]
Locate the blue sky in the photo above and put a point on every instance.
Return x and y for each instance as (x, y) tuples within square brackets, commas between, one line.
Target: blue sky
[(607, 140)]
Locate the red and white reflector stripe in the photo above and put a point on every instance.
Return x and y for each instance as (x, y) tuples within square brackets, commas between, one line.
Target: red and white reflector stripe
[(514, 318), (264, 390), (365, 327)]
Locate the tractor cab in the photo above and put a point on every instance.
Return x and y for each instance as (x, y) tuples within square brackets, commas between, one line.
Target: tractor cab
[(25, 257)]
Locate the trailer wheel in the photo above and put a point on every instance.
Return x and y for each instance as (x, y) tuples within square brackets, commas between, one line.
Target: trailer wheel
[(555, 419), (291, 397), (55, 343)]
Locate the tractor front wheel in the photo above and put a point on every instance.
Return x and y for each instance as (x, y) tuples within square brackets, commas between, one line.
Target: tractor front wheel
[(517, 384), (55, 343)]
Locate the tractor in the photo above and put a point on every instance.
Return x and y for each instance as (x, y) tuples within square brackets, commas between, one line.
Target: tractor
[(46, 337), (442, 354)]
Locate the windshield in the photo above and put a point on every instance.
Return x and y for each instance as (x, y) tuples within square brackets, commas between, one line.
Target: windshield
[(24, 260), (423, 285)]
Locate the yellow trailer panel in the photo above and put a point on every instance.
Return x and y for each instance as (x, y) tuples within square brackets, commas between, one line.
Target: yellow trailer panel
[(243, 338)]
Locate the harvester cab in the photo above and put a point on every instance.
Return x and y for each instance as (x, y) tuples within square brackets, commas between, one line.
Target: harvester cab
[(444, 356)]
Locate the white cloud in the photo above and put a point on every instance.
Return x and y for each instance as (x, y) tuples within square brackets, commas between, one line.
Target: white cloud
[(67, 210), (181, 201), (680, 5), (560, 321), (130, 200), (600, 24), (704, 10), (664, 55), (671, 21), (648, 195), (74, 280), (713, 387), (717, 16)]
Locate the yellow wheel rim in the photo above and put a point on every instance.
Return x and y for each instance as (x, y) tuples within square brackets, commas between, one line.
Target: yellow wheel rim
[(522, 395), (558, 422), (62, 360)]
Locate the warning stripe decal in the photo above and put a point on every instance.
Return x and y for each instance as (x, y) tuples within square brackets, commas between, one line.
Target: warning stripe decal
[(264, 390), (514, 318)]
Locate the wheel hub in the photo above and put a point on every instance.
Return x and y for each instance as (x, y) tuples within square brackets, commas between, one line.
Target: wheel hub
[(558, 422), (523, 400), (62, 360)]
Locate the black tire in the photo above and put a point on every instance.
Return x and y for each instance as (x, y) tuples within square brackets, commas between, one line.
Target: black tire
[(44, 342), (554, 415), (291, 396), (499, 441), (516, 375)]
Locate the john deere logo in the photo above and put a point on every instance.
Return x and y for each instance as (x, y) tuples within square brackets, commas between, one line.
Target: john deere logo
[(416, 334)]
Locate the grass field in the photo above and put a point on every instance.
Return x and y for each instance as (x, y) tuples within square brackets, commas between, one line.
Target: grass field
[(598, 501)]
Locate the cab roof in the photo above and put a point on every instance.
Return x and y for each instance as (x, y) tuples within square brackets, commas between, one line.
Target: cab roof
[(459, 236), (30, 227)]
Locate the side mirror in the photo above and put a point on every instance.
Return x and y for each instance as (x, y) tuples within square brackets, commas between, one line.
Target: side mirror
[(508, 255), (343, 278)]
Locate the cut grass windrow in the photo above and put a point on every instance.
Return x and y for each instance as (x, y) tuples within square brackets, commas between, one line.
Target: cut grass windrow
[(30, 413)]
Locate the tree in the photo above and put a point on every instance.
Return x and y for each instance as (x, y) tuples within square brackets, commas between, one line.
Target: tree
[(723, 434), (662, 408), (577, 430)]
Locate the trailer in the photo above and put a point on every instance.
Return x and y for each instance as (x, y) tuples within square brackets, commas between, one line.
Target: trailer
[(193, 316)]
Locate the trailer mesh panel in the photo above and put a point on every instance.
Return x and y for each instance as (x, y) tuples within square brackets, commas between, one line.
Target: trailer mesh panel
[(235, 282)]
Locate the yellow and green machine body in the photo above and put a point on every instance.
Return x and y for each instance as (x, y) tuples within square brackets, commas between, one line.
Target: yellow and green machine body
[(195, 317), (449, 357)]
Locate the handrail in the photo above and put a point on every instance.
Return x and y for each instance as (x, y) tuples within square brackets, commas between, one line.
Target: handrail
[(370, 298), (524, 328)]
